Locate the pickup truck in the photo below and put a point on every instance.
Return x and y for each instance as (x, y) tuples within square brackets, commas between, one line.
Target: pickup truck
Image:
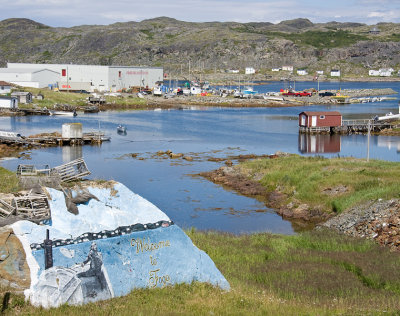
[(297, 94)]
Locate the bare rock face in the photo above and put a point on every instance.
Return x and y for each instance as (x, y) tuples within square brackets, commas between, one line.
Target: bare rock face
[(14, 270), (264, 45)]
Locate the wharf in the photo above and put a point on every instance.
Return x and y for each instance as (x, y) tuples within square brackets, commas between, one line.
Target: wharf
[(348, 127), (54, 140), (87, 138)]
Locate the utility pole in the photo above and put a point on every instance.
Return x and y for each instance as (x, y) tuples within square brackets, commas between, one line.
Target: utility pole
[(369, 134)]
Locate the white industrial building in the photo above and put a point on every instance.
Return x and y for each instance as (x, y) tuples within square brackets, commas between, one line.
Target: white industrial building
[(93, 77), (29, 77)]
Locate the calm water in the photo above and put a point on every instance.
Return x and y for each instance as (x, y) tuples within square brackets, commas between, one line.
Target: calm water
[(204, 132)]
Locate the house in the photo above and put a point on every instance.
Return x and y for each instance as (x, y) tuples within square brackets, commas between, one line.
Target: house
[(302, 72), (39, 97), (374, 31), (287, 68), (386, 72), (232, 71), (23, 97), (320, 119), (373, 72), (5, 87), (276, 69), (335, 73), (319, 72), (8, 103), (249, 71)]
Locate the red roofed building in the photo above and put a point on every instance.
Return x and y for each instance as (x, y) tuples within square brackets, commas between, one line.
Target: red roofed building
[(321, 120), (5, 87)]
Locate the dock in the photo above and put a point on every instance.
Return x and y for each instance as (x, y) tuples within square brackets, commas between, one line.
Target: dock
[(87, 138), (53, 139), (348, 127)]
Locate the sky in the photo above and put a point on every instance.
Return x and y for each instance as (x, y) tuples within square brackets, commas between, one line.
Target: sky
[(67, 13)]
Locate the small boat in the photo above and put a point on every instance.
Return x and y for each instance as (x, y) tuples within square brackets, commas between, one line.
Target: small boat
[(249, 91), (121, 129), (65, 113)]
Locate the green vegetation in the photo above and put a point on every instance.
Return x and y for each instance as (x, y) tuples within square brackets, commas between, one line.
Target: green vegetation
[(317, 39), (304, 179), (77, 99), (394, 37), (149, 33), (9, 181), (318, 273)]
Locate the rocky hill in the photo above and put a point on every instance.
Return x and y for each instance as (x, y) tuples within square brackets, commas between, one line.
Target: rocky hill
[(209, 47)]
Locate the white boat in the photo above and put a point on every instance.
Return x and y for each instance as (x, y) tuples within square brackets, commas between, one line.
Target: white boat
[(65, 113), (10, 135), (121, 129), (157, 91), (194, 90)]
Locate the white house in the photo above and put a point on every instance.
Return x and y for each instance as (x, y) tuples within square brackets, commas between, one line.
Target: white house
[(319, 72), (5, 87), (8, 103), (276, 69), (335, 73), (386, 72), (232, 71), (249, 71), (287, 68), (372, 72), (302, 72)]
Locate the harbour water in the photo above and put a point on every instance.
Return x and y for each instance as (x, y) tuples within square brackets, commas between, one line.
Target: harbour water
[(203, 132)]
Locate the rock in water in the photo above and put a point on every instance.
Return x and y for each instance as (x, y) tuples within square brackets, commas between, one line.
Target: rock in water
[(113, 245)]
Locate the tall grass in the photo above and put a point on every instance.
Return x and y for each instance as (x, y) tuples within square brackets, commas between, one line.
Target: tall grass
[(77, 99), (307, 179), (8, 181)]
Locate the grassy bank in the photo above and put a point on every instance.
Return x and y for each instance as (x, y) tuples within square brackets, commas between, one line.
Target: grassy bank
[(335, 184), (76, 99), (8, 181), (316, 273)]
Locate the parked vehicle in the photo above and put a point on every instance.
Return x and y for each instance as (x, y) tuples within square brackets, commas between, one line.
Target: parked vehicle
[(326, 94), (296, 94)]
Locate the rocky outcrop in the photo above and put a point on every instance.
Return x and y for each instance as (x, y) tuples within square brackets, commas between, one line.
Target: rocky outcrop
[(168, 42), (14, 270), (376, 220), (116, 242)]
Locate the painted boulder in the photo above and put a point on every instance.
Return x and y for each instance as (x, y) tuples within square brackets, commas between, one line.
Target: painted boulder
[(114, 244)]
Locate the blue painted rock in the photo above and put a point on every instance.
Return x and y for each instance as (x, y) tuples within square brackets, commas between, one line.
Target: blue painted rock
[(113, 245)]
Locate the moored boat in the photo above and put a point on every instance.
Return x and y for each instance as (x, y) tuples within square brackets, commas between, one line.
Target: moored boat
[(121, 129)]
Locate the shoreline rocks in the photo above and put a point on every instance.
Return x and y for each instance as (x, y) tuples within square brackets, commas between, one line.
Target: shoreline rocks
[(376, 220)]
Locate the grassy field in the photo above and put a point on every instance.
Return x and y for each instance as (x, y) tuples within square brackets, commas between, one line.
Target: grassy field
[(311, 273), (8, 181), (318, 273), (75, 99), (308, 179)]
